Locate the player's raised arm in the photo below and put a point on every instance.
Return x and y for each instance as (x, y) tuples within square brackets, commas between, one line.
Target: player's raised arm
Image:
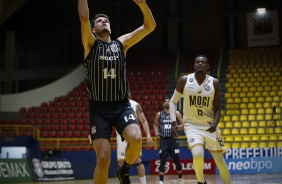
[(148, 26), (86, 33)]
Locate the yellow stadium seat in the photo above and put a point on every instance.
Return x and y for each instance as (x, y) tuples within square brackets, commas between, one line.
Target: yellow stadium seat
[(243, 106), (268, 117), (237, 124), (272, 93), (271, 144), (245, 100), (265, 93), (251, 105), (262, 145), (279, 144), (227, 95), (252, 131), (243, 131), (258, 105), (257, 94), (269, 130), (253, 100), (259, 79), (266, 79), (226, 118), (229, 139), (276, 99), (244, 111), (268, 99), (232, 106), (235, 145), (267, 88), (266, 105), (229, 124), (259, 88), (243, 117), (261, 99), (260, 117), (252, 89), (228, 85), (255, 138), (244, 145), (220, 124), (232, 112), (242, 94), (234, 118), (278, 83), (238, 139), (251, 117), (252, 111), (234, 131), (273, 138), (226, 131), (227, 145), (237, 100), (229, 100), (262, 124), (254, 145), (268, 110), (245, 89), (264, 138), (275, 88), (277, 130), (261, 131), (246, 138), (260, 111), (256, 84), (245, 124), (254, 124)]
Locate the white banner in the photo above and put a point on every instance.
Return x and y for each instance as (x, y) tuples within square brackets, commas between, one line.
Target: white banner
[(263, 28)]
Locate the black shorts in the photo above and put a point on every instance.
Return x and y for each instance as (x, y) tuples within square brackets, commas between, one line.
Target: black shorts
[(169, 145), (106, 115)]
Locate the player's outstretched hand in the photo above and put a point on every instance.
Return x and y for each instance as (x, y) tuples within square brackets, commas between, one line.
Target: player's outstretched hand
[(174, 132)]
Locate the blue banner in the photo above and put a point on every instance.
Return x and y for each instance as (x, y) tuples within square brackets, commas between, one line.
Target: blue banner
[(254, 165)]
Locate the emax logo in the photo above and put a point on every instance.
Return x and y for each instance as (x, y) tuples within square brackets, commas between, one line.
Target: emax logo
[(13, 170)]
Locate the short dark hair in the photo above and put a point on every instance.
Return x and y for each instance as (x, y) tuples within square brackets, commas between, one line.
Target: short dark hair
[(97, 16), (166, 97), (207, 60)]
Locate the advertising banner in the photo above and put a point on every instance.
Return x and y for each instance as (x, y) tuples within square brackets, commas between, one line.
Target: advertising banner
[(258, 165), (52, 169), (252, 152), (187, 167), (15, 171), (263, 28)]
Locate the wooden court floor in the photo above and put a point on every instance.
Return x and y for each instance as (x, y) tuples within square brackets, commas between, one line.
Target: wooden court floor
[(190, 179)]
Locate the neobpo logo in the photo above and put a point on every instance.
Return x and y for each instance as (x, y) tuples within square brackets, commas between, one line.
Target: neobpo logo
[(252, 165)]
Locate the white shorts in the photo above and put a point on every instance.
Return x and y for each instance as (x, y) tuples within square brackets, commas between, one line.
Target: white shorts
[(211, 141), (121, 146)]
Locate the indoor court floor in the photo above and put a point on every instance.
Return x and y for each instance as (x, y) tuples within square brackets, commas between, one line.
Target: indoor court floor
[(190, 179)]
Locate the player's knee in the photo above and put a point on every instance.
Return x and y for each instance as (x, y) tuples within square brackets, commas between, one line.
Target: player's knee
[(103, 158), (197, 152), (139, 163)]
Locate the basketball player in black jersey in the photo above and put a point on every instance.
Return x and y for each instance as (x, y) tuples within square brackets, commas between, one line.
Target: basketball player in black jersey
[(105, 65), (162, 127)]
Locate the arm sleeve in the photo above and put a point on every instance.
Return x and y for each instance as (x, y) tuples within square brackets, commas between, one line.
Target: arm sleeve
[(172, 105)]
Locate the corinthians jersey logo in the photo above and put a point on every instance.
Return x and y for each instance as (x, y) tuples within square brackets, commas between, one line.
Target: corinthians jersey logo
[(114, 48)]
